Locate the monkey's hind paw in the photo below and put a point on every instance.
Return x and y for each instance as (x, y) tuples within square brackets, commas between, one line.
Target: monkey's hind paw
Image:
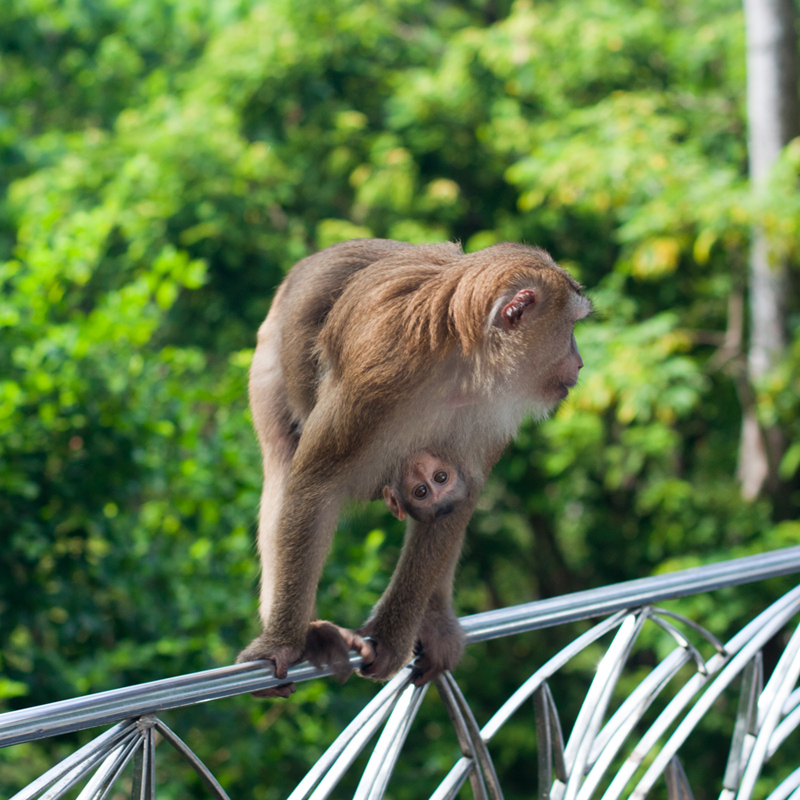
[(329, 645), (282, 656)]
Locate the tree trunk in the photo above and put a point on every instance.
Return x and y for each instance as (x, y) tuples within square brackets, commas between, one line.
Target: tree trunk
[(773, 111)]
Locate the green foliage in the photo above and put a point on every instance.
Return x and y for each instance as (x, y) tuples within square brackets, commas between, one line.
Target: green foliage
[(164, 164)]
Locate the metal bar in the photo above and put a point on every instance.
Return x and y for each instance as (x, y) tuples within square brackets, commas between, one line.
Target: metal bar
[(137, 785), (454, 780), (786, 726), (387, 768), (150, 776), (77, 773), (683, 642), (66, 716), (353, 747), (103, 708), (199, 767), (544, 740), (81, 770), (144, 765), (695, 626), (631, 594)]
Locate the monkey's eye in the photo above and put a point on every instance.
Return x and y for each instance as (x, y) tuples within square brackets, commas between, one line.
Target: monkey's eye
[(440, 476), (420, 491)]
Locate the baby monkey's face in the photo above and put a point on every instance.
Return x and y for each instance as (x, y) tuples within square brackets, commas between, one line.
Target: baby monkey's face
[(427, 488)]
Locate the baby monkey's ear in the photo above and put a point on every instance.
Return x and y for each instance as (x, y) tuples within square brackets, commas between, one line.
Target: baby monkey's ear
[(393, 504)]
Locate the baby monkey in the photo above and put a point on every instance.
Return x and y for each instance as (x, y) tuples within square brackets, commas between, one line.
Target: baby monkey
[(427, 489)]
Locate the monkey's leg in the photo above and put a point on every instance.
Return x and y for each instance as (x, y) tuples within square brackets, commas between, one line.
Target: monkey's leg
[(272, 419), (418, 593), (293, 552)]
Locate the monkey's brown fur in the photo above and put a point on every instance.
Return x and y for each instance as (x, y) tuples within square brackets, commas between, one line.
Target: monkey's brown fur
[(374, 350)]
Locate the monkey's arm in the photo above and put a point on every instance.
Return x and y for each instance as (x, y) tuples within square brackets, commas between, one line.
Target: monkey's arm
[(416, 604), (440, 639)]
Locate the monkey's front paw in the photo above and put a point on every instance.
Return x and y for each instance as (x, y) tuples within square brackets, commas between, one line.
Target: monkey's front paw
[(390, 654), (283, 656), (440, 647)]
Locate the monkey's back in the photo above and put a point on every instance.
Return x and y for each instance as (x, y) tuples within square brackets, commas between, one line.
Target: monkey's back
[(310, 292)]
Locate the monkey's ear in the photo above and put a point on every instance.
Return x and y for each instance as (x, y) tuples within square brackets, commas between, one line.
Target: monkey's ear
[(511, 313), (393, 504)]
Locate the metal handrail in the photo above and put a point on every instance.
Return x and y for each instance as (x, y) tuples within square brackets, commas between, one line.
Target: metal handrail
[(118, 704)]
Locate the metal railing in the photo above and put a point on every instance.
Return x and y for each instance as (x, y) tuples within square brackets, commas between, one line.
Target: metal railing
[(574, 770)]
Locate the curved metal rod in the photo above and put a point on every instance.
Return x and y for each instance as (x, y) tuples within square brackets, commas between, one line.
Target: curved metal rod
[(770, 706), (99, 745), (458, 774), (549, 741), (683, 642), (144, 762), (503, 714), (484, 759), (745, 725), (357, 733), (103, 780), (384, 757), (786, 726), (465, 741), (590, 717), (747, 642), (786, 787), (199, 767), (695, 626), (677, 783), (78, 772), (616, 731), (769, 623)]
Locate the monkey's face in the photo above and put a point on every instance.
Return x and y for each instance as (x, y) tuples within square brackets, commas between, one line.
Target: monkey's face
[(538, 324), (565, 371), (428, 488)]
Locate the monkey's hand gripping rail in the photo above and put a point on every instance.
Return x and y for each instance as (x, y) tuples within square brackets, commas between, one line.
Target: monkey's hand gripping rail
[(573, 771)]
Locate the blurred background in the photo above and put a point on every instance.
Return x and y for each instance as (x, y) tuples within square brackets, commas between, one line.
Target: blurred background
[(164, 162)]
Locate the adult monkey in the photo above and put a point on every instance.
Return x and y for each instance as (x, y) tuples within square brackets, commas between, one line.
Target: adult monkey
[(374, 350)]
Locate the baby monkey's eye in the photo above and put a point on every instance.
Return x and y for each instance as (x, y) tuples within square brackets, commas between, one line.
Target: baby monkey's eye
[(440, 476), (420, 491)]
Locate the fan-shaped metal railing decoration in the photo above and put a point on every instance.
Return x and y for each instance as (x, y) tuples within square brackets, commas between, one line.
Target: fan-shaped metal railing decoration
[(576, 769)]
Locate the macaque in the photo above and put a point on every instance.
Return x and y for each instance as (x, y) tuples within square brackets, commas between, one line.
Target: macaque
[(427, 489), (375, 350)]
